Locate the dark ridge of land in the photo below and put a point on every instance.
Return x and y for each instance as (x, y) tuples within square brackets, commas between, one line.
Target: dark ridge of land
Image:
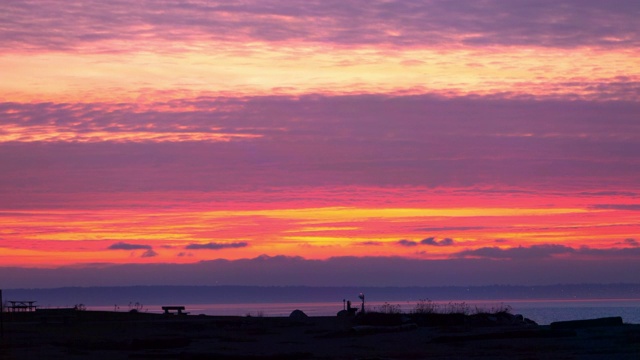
[(96, 296), (66, 334)]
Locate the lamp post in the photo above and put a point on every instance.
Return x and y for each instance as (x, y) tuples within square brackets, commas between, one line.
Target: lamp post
[(361, 296)]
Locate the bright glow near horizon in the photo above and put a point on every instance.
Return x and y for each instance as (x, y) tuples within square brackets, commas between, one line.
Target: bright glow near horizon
[(314, 233)]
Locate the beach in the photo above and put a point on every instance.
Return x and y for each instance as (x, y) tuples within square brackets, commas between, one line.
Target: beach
[(111, 335)]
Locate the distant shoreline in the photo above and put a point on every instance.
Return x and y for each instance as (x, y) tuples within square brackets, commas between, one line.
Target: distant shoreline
[(278, 294)]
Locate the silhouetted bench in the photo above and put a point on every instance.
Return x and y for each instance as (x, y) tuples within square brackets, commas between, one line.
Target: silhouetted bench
[(169, 310)]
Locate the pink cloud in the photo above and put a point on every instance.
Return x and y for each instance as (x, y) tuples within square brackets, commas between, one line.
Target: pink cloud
[(367, 140), (66, 25)]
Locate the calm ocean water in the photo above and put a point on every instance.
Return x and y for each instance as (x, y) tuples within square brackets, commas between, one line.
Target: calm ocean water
[(543, 312)]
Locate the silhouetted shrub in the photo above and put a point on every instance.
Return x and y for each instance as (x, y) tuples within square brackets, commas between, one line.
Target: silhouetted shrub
[(425, 307), (387, 308), (428, 313), (429, 307)]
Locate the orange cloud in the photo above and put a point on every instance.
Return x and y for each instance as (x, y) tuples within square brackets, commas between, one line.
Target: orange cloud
[(298, 68), (248, 230)]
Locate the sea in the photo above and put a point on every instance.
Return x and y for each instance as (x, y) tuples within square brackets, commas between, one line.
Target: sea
[(543, 312)]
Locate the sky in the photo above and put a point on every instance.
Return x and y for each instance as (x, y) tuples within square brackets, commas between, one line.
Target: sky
[(266, 142)]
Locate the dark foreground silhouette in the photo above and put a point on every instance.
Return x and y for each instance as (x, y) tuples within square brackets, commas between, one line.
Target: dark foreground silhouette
[(138, 335)]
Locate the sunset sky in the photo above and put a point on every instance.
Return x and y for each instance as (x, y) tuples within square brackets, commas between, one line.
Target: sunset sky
[(318, 142)]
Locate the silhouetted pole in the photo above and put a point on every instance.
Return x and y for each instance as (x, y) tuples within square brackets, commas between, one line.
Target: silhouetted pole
[(361, 296), (1, 316)]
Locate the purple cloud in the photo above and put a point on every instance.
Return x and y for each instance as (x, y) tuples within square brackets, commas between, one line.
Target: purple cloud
[(125, 246), (63, 25), (407, 243), (433, 242), (370, 243), (520, 252), (149, 252), (546, 251), (216, 246), (344, 141), (630, 207)]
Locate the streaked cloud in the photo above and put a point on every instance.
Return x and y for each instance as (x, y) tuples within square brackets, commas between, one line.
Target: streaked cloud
[(343, 140), (164, 51), (451, 228), (49, 24), (629, 207), (216, 246), (370, 243)]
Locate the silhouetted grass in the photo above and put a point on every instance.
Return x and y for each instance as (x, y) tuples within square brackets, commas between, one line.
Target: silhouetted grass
[(427, 312)]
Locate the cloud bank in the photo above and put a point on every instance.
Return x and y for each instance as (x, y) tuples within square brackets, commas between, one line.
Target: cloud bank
[(336, 271)]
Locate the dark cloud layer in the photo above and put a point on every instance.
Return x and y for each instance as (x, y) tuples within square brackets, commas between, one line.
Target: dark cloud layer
[(547, 251), (54, 24), (339, 271), (342, 140), (631, 207)]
